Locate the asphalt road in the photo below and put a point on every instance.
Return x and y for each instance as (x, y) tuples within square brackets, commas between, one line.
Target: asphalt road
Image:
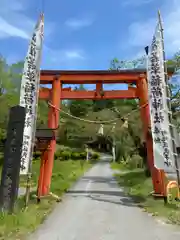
[(97, 209)]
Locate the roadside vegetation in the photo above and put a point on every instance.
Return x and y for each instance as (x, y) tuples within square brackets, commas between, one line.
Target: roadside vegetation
[(138, 186)]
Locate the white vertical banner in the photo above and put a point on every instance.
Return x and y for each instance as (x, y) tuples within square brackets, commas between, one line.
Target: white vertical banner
[(162, 139), (30, 91)]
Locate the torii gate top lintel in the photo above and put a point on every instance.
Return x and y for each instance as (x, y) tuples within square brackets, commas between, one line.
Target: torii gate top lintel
[(94, 76), (57, 78)]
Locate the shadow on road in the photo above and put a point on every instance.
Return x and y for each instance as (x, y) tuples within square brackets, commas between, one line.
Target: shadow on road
[(111, 181), (104, 161), (97, 179), (98, 192), (102, 195), (126, 201), (115, 197)]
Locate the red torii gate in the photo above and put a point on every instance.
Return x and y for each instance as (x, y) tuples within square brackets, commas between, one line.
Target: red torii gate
[(56, 93)]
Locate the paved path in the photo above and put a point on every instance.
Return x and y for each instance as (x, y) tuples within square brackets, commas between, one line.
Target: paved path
[(97, 209)]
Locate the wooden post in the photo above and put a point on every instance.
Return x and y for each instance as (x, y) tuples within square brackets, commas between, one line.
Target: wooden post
[(99, 87), (158, 181), (87, 154), (44, 158), (114, 143), (53, 122)]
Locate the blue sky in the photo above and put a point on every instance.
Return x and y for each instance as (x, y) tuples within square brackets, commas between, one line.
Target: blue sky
[(85, 34)]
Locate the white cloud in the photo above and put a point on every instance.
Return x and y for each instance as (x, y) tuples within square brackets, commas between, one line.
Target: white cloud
[(13, 5), (74, 54), (56, 58), (76, 24), (62, 56), (14, 21), (8, 30), (140, 33)]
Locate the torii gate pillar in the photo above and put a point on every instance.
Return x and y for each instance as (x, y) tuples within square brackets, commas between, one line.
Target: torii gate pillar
[(47, 159), (157, 175)]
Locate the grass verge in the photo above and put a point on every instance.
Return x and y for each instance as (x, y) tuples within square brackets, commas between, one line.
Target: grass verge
[(120, 166), (123, 166), (21, 223), (138, 186)]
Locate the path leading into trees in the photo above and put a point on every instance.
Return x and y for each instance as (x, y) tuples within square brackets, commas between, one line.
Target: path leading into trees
[(97, 209)]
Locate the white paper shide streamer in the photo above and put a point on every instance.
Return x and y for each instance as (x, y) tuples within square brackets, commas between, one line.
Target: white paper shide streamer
[(30, 91), (162, 139), (101, 130)]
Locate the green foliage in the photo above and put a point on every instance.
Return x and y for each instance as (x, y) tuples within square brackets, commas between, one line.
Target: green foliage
[(75, 156), (1, 160), (66, 155), (63, 154), (133, 162), (175, 61), (42, 117), (99, 105), (82, 155), (138, 186), (69, 154), (2, 134), (8, 91), (37, 155), (95, 156), (127, 64), (79, 108)]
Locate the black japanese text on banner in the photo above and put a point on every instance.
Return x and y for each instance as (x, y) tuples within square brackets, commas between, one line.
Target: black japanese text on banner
[(29, 92), (162, 139)]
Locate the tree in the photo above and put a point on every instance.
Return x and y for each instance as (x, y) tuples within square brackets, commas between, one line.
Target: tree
[(8, 94), (16, 70), (175, 89), (98, 105), (176, 60), (5, 81), (79, 108), (127, 64)]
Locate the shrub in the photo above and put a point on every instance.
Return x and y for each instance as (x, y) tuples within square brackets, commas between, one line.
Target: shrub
[(83, 155), (58, 154), (2, 139), (75, 156), (1, 159), (66, 155), (37, 155), (138, 161), (135, 162), (95, 156)]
